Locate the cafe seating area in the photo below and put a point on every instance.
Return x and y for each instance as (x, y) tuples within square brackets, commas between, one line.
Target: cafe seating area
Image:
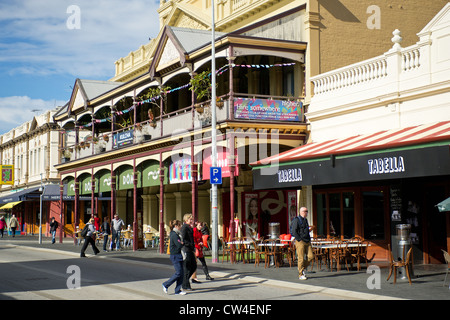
[(331, 253)]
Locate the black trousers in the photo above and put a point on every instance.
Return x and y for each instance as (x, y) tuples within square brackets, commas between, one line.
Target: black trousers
[(189, 266), (89, 240)]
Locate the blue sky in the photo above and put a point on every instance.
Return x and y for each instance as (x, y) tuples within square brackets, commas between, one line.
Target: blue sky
[(46, 44)]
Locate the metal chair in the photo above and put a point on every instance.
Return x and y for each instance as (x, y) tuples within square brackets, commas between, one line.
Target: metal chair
[(447, 261)]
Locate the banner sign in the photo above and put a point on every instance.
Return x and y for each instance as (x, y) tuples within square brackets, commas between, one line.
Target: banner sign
[(7, 174), (267, 109), (122, 139)]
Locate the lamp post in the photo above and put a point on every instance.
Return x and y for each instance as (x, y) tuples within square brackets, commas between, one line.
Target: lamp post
[(215, 228), (41, 190)]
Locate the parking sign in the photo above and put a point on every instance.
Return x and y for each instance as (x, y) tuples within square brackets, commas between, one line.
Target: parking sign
[(215, 175)]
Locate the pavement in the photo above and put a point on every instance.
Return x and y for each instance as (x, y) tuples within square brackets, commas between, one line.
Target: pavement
[(367, 284)]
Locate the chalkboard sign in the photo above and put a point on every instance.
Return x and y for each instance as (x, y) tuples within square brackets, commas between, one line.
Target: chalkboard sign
[(395, 201)]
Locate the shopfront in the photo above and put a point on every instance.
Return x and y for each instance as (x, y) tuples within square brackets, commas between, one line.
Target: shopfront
[(359, 189)]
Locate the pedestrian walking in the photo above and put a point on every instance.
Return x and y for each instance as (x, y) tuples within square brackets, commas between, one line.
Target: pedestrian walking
[(116, 229), (2, 225), (176, 257), (89, 239), (106, 230), (199, 253), (300, 230), (13, 224), (53, 228), (189, 263)]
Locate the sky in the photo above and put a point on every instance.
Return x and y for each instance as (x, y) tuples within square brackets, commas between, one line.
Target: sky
[(45, 45)]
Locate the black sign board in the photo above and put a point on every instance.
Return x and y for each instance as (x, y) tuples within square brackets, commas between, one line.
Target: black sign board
[(410, 163)]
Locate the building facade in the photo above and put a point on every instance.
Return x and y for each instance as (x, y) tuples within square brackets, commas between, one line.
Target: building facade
[(388, 162), (33, 149)]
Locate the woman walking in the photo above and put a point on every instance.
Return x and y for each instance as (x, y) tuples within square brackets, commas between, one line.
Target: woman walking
[(89, 239), (176, 257), (199, 253)]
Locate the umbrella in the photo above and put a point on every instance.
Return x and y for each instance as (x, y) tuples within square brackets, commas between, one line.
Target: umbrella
[(444, 205)]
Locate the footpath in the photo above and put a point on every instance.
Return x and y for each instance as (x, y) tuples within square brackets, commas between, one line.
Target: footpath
[(427, 283)]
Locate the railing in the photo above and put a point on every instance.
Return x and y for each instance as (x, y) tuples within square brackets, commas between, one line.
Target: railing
[(188, 118), (384, 70)]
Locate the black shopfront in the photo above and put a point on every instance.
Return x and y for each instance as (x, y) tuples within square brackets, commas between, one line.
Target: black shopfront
[(368, 194)]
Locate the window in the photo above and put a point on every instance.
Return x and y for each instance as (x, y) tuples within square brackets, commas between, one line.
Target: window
[(373, 215), (336, 214)]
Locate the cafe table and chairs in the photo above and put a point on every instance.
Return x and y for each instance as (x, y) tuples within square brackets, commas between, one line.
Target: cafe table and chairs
[(272, 249)]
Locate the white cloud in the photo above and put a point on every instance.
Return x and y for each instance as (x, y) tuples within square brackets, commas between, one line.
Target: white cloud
[(17, 110), (34, 35)]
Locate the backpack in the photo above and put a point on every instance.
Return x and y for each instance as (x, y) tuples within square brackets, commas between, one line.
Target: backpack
[(84, 231)]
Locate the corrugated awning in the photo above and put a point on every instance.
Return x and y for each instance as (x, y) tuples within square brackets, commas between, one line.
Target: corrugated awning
[(9, 205), (389, 139)]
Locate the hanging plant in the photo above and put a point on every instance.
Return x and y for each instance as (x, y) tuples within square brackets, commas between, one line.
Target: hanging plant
[(201, 85)]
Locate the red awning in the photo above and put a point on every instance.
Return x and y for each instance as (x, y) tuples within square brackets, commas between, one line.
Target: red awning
[(362, 143)]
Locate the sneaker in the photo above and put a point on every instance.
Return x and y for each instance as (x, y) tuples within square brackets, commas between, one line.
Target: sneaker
[(181, 293), (302, 277), (164, 289)]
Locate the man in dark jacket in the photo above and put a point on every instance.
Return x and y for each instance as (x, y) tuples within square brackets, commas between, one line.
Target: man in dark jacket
[(300, 230), (189, 263)]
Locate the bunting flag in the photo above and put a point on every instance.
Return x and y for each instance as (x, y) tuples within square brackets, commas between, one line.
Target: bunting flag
[(219, 72)]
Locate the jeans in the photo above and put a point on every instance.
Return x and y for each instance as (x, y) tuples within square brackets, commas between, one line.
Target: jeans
[(115, 239), (53, 236), (177, 260), (105, 241)]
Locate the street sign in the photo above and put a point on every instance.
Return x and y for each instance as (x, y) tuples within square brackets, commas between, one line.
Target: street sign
[(215, 175)]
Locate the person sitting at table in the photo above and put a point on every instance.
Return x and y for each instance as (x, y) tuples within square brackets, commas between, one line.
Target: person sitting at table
[(300, 230), (89, 239)]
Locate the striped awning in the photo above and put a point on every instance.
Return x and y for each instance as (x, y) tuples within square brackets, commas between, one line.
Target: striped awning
[(389, 139)]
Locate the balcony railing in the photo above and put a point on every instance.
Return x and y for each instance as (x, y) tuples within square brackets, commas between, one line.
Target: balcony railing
[(267, 109)]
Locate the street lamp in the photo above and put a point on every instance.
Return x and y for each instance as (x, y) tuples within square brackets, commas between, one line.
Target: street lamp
[(215, 228), (41, 190)]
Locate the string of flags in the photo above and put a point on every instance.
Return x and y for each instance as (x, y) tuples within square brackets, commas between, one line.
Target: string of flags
[(219, 72)]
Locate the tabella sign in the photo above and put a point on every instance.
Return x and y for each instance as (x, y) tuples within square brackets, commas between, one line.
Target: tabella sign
[(420, 162)]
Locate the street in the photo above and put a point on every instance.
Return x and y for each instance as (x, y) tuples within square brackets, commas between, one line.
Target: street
[(34, 274)]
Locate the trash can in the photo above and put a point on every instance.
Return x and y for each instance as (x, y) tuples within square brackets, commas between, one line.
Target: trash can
[(274, 230), (404, 244)]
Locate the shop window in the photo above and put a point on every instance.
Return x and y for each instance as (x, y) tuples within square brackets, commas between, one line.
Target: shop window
[(339, 210), (69, 209), (373, 215)]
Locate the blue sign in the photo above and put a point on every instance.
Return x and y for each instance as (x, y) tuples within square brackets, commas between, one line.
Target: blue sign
[(215, 175)]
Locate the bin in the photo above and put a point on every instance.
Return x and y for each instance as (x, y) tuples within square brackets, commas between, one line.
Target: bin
[(274, 230), (404, 244)]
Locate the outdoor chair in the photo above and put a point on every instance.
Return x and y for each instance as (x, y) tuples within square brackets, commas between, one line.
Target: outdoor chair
[(361, 254), (258, 251), (226, 250), (271, 253), (394, 265), (447, 261)]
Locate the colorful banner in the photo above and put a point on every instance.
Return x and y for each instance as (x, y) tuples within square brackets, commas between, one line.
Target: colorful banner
[(7, 174), (267, 109), (222, 162), (180, 171)]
